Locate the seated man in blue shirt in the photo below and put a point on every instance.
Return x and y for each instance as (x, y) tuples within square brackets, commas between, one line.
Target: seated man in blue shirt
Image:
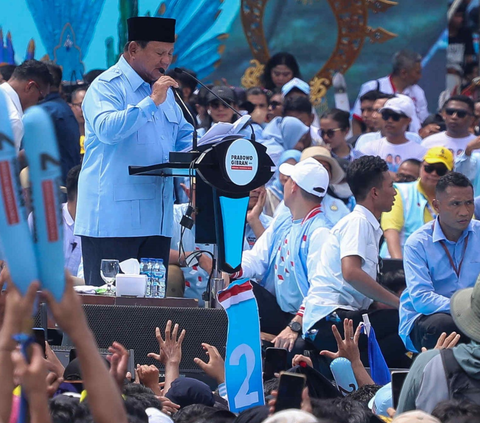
[(284, 259), (440, 258)]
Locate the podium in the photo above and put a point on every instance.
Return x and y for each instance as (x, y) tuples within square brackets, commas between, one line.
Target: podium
[(225, 173)]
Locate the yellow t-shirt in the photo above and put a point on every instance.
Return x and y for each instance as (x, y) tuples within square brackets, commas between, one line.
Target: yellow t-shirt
[(394, 219), (82, 142)]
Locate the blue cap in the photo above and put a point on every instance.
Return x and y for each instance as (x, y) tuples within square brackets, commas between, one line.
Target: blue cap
[(296, 83)]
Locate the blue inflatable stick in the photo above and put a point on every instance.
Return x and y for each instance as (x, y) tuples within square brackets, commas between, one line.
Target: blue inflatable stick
[(243, 359), (14, 233), (45, 176)]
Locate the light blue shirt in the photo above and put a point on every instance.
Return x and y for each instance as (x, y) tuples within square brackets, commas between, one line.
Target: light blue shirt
[(470, 167), (431, 279), (124, 127)]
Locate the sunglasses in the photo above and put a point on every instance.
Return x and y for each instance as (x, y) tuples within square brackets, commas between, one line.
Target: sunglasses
[(329, 132), (386, 115), (275, 104), (216, 104), (459, 112), (440, 169), (403, 177)]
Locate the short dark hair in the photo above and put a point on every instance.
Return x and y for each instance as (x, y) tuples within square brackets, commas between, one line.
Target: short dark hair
[(35, 70), (462, 98), (404, 59), (56, 72), (256, 91), (340, 116), (281, 58), (6, 71), (78, 90), (454, 179), (452, 410), (394, 280), (90, 76), (192, 413), (364, 393), (382, 95), (72, 182), (311, 197), (371, 95), (300, 104), (415, 162), (365, 173)]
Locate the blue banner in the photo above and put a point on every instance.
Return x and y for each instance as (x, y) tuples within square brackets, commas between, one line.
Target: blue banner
[(243, 360)]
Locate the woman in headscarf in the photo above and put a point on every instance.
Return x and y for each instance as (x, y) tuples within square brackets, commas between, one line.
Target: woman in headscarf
[(275, 190), (283, 134)]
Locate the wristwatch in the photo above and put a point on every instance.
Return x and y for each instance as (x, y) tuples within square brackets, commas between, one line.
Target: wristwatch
[(295, 326)]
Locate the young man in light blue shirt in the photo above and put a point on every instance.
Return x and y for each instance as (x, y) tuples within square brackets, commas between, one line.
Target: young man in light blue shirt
[(131, 118), (440, 258)]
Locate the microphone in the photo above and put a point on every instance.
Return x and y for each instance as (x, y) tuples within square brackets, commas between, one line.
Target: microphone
[(178, 70), (180, 99)]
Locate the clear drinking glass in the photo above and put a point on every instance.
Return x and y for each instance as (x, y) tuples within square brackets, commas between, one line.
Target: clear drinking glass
[(109, 270)]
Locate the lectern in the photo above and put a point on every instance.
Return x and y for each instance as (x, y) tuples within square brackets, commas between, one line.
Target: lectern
[(226, 173)]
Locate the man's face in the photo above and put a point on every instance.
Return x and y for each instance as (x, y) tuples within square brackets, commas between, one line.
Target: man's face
[(386, 193), (366, 106), (275, 108), (306, 118), (76, 106), (281, 74), (458, 116), (253, 197), (455, 207), (408, 172), (261, 107), (395, 123), (412, 75), (148, 61), (429, 176), (377, 121), (32, 93)]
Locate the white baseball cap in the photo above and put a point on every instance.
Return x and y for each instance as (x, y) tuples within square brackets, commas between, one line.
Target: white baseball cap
[(400, 104), (309, 175)]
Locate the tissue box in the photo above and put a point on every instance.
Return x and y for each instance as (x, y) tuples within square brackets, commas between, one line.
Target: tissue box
[(131, 285)]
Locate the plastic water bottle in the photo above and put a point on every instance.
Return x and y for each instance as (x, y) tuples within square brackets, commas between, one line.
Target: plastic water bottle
[(162, 283), (155, 277), (146, 269)]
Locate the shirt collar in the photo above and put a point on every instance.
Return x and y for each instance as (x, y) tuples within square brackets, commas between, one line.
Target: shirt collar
[(133, 77), (7, 88), (369, 215), (438, 234), (66, 215)]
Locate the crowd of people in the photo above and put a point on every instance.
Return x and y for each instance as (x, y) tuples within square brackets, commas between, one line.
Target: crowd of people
[(394, 181)]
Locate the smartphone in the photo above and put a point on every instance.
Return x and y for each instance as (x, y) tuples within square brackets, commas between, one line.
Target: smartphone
[(275, 362), (290, 391), (39, 335), (398, 377)]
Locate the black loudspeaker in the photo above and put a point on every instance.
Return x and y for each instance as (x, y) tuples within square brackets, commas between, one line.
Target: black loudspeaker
[(134, 327)]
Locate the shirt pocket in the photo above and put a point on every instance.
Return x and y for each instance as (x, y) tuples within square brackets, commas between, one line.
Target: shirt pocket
[(171, 121), (128, 198)]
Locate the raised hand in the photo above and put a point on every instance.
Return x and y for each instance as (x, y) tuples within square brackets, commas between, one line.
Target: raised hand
[(215, 367), (171, 347), (118, 363)]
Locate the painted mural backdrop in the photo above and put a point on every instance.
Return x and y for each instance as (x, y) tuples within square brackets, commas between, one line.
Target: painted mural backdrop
[(82, 35)]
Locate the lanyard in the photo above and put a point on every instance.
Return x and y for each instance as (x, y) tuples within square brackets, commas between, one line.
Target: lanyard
[(450, 259), (430, 209)]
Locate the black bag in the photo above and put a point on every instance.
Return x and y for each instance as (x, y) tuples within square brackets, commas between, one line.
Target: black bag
[(460, 385)]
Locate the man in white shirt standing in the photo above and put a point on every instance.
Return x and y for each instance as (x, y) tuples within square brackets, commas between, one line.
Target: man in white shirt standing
[(458, 113), (406, 72), (29, 84), (395, 147), (345, 284)]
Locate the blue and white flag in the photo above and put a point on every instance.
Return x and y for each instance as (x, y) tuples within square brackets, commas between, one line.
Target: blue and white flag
[(379, 370), (243, 359)]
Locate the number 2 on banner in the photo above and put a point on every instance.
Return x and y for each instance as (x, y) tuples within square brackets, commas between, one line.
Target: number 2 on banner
[(243, 398)]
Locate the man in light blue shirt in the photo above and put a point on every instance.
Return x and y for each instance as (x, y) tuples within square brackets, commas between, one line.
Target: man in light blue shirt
[(131, 118), (440, 258)]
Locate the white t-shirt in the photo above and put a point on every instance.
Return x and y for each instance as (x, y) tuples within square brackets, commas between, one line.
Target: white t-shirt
[(15, 113), (386, 86), (357, 234), (456, 145), (394, 154), (364, 139)]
